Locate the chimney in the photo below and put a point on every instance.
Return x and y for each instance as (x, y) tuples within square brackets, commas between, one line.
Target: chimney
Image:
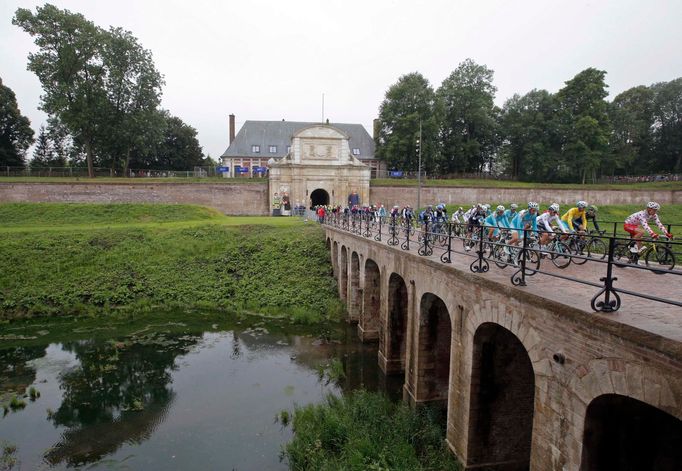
[(231, 128)]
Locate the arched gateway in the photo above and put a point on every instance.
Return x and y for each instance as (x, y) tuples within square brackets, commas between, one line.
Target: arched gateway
[(319, 169)]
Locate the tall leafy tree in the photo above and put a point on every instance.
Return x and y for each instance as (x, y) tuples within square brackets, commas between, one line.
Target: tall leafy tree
[(586, 127), (531, 144), (469, 126), (668, 125), (69, 67), (631, 142), (133, 87), (43, 150), (16, 135), (408, 102), (101, 85)]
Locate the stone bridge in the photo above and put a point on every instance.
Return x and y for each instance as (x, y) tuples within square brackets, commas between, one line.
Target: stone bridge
[(528, 381)]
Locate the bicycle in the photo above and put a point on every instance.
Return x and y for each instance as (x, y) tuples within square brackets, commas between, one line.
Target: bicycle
[(657, 254), (558, 251), (505, 254), (587, 245)]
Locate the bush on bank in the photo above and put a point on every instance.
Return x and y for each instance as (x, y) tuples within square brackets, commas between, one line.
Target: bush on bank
[(278, 271), (366, 431)]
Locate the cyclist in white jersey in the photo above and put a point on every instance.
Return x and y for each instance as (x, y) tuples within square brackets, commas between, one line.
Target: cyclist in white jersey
[(545, 221), (637, 224)]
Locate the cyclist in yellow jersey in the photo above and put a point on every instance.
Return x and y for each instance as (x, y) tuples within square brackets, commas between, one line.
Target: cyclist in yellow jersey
[(574, 219)]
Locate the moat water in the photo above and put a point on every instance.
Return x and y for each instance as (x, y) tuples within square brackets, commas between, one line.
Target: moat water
[(171, 395)]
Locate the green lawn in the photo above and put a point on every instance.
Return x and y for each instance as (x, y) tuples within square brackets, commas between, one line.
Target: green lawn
[(84, 259), (489, 183)]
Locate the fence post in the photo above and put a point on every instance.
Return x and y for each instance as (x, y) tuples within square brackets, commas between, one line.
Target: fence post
[(445, 258), (378, 236), (608, 305), (480, 265), (516, 280)]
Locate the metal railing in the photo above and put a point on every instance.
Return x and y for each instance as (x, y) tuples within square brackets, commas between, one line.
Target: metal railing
[(602, 254)]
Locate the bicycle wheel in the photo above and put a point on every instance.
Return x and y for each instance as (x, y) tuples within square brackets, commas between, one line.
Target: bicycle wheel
[(562, 255), (660, 259), (500, 256), (578, 247), (596, 248), (532, 261)]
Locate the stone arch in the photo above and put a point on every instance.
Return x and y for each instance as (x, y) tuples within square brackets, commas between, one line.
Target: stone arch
[(319, 197), (433, 350), (343, 274), (630, 435), (368, 327), (355, 294), (501, 400), (393, 344), (335, 259)]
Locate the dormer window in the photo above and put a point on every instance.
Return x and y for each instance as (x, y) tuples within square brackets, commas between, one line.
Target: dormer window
[(273, 149), (255, 149), (356, 151)]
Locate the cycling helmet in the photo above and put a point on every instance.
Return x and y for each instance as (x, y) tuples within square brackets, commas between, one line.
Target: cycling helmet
[(653, 205), (500, 208), (486, 207), (461, 209), (440, 206), (554, 207), (593, 208), (429, 207), (533, 205), (581, 204), (514, 206)]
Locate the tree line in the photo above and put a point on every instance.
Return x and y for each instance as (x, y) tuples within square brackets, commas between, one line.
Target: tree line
[(102, 93), (568, 136)]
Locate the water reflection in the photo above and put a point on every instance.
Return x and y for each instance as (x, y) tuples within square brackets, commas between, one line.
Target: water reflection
[(200, 397), (118, 394)]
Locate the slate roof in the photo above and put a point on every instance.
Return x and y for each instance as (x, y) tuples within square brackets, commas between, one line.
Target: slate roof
[(279, 133)]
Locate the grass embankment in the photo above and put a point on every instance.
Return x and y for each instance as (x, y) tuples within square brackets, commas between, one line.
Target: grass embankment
[(75, 259), (490, 183), (367, 431)]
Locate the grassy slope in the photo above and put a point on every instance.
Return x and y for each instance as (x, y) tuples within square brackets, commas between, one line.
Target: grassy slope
[(199, 259), (485, 183)]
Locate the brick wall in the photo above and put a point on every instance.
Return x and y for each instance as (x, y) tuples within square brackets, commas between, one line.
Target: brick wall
[(251, 199), (392, 195)]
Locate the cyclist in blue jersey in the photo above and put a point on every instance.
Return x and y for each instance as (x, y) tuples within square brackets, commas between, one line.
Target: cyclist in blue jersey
[(511, 212), (495, 222), (525, 219)]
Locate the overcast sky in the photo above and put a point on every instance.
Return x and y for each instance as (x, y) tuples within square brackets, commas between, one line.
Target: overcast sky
[(273, 59)]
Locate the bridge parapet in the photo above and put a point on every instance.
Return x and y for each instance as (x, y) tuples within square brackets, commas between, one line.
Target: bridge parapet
[(527, 379)]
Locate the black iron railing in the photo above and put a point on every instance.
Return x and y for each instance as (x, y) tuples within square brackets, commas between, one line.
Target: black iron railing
[(658, 260)]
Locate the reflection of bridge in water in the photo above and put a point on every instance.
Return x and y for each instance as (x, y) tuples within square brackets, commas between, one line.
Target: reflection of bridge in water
[(531, 376)]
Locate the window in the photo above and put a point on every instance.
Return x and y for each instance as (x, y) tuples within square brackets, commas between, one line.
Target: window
[(356, 151), (273, 149), (255, 149), (288, 149)]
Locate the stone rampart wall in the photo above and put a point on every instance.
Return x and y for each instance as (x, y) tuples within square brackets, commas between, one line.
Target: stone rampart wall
[(246, 199), (399, 195)]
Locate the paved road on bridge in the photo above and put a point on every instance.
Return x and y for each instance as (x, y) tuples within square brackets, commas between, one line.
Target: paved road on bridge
[(655, 317)]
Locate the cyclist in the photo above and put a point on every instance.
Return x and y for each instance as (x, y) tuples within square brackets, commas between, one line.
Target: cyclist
[(458, 216), (426, 215), (545, 221), (525, 219), (511, 212), (471, 212), (496, 221), (637, 224), (591, 215), (475, 220), (441, 213), (574, 219)]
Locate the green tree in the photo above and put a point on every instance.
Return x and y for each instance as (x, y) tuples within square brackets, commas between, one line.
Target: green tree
[(668, 125), (531, 145), (407, 102), (70, 70), (133, 87), (585, 123), (469, 126), (177, 148), (43, 150), (631, 142), (16, 135)]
